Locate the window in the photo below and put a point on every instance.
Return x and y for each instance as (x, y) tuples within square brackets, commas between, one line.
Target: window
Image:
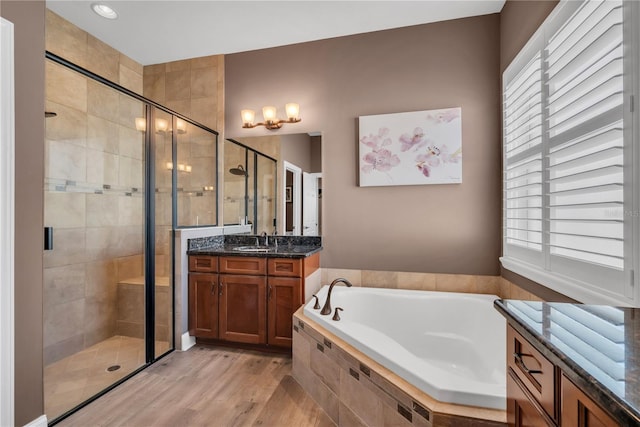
[(567, 155)]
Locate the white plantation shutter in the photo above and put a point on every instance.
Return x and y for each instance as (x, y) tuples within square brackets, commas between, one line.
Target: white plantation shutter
[(574, 161), (523, 161)]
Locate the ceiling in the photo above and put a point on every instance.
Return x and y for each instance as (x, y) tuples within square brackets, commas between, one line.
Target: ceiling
[(151, 31)]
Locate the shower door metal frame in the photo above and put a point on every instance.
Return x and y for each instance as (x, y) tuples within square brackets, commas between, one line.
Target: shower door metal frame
[(149, 215)]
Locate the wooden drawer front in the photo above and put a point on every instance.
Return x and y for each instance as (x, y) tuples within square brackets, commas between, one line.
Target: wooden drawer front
[(533, 369), (522, 411), (285, 267), (203, 264), (579, 410), (243, 265)]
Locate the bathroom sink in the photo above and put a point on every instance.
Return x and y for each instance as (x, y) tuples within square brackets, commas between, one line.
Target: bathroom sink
[(253, 249)]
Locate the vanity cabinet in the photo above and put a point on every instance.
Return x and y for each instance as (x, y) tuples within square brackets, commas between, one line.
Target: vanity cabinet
[(539, 394), (247, 299)]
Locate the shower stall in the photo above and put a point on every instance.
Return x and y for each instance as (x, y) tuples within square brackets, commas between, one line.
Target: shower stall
[(121, 174), (250, 187)]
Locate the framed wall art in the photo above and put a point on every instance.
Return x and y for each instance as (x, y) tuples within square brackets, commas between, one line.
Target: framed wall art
[(414, 148)]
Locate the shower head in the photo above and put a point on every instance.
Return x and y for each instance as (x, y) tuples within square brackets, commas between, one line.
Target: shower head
[(239, 171)]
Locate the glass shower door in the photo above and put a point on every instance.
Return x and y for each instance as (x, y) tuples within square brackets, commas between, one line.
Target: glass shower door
[(94, 312)]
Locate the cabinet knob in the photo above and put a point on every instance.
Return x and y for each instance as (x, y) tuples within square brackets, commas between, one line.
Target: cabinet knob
[(213, 287), (220, 288)]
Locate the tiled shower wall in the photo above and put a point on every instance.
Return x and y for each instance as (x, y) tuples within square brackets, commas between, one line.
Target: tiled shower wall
[(193, 88), (93, 154)]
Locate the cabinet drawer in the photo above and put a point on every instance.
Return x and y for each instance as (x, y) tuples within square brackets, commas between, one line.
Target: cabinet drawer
[(534, 370), (243, 265), (286, 267), (203, 264)]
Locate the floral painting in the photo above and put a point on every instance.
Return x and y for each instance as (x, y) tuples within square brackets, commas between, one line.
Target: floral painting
[(419, 147)]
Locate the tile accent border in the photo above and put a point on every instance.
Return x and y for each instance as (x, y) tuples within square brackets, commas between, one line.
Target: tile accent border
[(353, 389)]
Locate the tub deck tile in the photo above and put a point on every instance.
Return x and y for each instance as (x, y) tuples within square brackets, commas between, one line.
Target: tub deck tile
[(348, 418), (362, 401), (325, 368)]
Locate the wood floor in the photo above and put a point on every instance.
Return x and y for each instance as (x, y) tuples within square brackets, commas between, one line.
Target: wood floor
[(207, 386)]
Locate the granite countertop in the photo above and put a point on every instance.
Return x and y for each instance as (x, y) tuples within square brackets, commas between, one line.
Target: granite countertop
[(288, 246), (597, 347)]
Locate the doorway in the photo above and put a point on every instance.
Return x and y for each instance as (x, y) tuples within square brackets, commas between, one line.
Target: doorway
[(293, 199)]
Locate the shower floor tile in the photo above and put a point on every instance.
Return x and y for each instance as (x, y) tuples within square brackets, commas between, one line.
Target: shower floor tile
[(74, 379)]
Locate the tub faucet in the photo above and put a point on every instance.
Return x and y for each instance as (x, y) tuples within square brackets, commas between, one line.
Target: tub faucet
[(266, 238), (327, 305)]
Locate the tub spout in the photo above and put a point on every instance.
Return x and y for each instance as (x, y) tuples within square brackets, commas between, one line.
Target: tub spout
[(327, 305)]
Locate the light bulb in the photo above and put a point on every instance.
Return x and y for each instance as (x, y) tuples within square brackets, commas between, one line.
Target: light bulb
[(269, 113), (293, 110)]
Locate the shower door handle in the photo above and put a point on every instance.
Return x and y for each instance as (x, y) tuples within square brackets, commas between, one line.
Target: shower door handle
[(48, 238)]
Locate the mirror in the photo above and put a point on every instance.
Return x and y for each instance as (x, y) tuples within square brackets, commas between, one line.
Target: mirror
[(297, 179), (249, 188)]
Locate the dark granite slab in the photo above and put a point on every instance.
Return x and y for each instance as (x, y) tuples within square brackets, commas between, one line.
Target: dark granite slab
[(597, 347), (287, 246)]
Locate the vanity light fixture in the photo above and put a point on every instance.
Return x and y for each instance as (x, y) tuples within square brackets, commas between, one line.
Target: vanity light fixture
[(270, 116), (141, 124), (181, 167), (162, 125), (104, 11), (181, 126)]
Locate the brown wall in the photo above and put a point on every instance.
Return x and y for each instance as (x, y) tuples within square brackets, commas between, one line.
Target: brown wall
[(28, 18), (518, 21), (296, 149), (437, 228)]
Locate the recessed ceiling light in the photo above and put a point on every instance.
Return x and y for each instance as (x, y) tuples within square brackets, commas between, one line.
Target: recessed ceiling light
[(104, 11)]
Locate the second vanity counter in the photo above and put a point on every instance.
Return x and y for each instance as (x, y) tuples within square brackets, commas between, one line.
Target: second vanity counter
[(574, 364)]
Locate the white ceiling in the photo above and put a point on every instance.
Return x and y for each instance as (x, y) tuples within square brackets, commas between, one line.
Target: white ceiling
[(152, 31)]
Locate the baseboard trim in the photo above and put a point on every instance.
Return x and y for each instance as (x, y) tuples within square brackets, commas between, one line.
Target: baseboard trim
[(187, 342), (41, 421)]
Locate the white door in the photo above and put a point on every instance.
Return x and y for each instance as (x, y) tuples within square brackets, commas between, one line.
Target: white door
[(309, 204)]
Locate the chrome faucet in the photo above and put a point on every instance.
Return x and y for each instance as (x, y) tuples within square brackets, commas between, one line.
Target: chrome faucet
[(266, 238), (327, 305)]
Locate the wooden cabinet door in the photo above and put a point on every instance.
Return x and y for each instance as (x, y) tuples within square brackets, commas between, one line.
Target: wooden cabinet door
[(578, 410), (283, 299), (522, 410), (203, 305), (243, 314)]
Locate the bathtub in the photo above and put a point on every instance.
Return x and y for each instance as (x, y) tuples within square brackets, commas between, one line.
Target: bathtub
[(451, 346)]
